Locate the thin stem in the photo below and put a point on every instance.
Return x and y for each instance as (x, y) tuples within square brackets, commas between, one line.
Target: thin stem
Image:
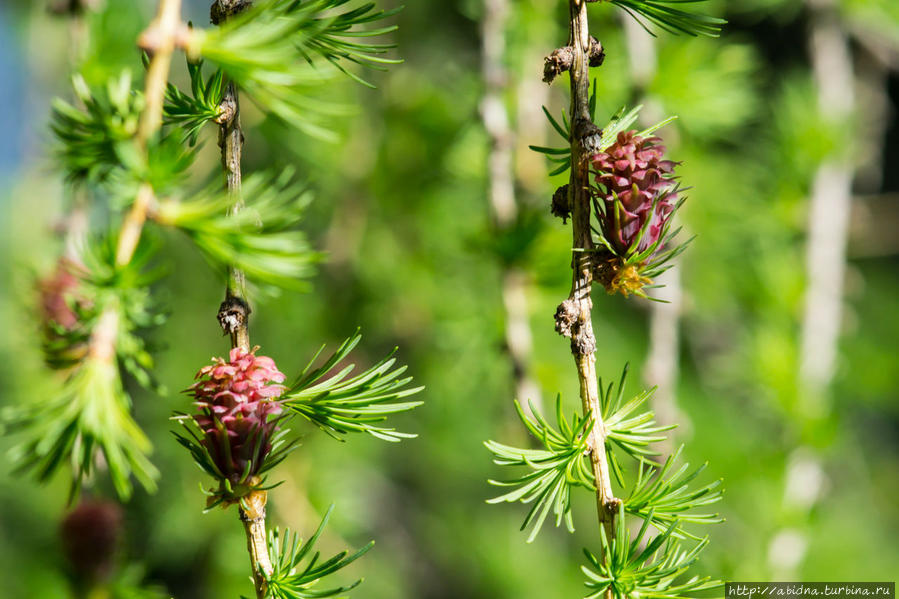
[(133, 225), (579, 305), (829, 204), (164, 30), (235, 310), (252, 514), (252, 508), (231, 144)]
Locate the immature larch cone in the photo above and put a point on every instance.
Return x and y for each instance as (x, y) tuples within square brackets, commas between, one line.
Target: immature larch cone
[(59, 291), (90, 539), (633, 178), (62, 304), (238, 408)]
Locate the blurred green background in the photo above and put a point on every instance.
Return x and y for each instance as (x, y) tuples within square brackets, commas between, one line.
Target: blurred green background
[(416, 258)]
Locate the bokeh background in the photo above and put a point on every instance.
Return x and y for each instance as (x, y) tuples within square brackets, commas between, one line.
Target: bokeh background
[(797, 409)]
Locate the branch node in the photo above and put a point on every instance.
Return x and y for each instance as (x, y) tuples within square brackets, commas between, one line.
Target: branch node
[(611, 505), (589, 137), (253, 506), (570, 319), (233, 315), (151, 38), (583, 343), (155, 37), (557, 63), (561, 59), (227, 110), (567, 315)]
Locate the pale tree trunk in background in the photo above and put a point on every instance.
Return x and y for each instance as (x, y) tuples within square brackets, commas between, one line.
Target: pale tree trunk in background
[(831, 194), (642, 58), (828, 228), (531, 94), (529, 168), (501, 194), (662, 360)]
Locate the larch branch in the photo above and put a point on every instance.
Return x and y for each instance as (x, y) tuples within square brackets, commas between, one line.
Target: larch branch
[(234, 312), (573, 318)]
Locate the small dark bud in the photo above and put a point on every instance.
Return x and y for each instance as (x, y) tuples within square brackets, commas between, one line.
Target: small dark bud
[(566, 317), (222, 9), (611, 506), (561, 204), (71, 7), (233, 315), (595, 55), (557, 63), (90, 537)]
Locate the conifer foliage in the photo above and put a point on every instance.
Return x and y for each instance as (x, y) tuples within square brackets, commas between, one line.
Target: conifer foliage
[(129, 145), (621, 198)]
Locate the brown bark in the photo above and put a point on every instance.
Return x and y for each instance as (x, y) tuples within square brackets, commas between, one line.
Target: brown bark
[(234, 312), (574, 315)]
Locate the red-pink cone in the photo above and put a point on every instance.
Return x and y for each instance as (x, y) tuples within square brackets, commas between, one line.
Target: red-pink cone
[(633, 178), (237, 402)]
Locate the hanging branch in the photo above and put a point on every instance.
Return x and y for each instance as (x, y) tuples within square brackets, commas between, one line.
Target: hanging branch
[(95, 338), (234, 312), (114, 139), (573, 316), (159, 38), (620, 196), (266, 49)]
